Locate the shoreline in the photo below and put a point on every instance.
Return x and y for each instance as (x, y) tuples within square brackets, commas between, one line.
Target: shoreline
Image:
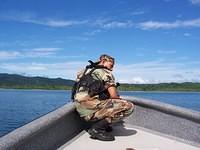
[(148, 91)]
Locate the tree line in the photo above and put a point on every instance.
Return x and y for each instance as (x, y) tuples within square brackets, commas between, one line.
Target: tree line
[(22, 82)]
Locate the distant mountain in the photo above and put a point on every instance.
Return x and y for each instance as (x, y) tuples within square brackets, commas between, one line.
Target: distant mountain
[(19, 81)]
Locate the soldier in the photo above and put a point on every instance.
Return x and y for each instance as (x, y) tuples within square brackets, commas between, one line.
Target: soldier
[(97, 100)]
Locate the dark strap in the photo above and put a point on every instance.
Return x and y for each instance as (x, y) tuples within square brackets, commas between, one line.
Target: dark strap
[(93, 66)]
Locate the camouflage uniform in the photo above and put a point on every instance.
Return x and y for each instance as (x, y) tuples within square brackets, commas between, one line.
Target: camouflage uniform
[(93, 108)]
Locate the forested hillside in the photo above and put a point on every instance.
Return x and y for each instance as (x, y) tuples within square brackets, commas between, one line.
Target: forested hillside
[(22, 82), (19, 81)]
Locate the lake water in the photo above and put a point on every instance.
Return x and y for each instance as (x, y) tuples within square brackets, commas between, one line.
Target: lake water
[(18, 107)]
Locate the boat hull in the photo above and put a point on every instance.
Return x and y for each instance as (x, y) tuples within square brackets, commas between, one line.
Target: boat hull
[(59, 126)]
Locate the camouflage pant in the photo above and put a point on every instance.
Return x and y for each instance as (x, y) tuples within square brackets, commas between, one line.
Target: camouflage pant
[(112, 110)]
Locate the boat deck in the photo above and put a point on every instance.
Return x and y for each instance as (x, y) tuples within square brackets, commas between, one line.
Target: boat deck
[(128, 137)]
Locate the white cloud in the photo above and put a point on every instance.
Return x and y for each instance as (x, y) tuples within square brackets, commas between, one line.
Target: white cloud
[(28, 17), (157, 72), (117, 24), (106, 23), (16, 15), (78, 38), (21, 43), (195, 2), (178, 76), (166, 51), (29, 53), (146, 72), (63, 23), (110, 24), (169, 25), (138, 12), (92, 33), (138, 80), (55, 23), (66, 70), (40, 52), (9, 54), (23, 67)]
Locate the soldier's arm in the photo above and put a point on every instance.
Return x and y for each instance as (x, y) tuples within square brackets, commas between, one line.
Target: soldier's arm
[(113, 92)]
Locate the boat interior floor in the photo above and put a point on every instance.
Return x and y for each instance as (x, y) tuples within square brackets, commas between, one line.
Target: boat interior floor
[(128, 137)]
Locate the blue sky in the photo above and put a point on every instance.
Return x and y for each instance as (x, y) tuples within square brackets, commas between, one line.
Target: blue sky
[(152, 41)]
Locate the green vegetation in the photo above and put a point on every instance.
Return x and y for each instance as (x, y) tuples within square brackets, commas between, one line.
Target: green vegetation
[(187, 86), (21, 82)]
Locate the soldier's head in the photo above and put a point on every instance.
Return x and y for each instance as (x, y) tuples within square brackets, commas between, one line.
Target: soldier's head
[(107, 61)]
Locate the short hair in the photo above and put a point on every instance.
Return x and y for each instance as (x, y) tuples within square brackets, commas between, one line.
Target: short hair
[(106, 58)]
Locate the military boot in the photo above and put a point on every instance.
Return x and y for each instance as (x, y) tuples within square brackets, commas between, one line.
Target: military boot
[(109, 128), (98, 131)]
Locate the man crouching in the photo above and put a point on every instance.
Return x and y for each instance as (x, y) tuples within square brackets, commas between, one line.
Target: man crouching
[(97, 100)]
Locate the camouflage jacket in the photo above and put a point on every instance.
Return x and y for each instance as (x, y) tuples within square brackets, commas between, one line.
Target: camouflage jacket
[(102, 74)]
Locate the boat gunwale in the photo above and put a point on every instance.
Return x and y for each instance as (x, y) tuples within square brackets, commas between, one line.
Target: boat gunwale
[(166, 108)]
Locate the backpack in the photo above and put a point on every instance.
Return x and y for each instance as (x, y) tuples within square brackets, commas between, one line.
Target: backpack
[(94, 86)]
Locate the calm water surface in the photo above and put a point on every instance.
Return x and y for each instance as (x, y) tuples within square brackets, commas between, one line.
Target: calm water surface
[(190, 100), (18, 107)]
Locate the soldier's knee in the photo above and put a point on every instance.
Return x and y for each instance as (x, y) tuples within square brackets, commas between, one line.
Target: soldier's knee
[(130, 106)]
